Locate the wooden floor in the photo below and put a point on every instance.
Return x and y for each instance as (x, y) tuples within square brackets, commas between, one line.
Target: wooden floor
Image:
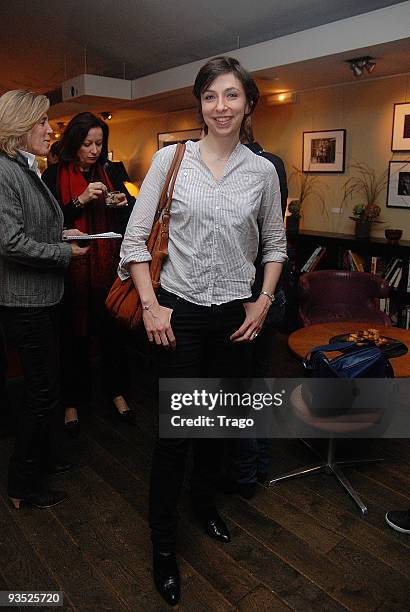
[(301, 545)]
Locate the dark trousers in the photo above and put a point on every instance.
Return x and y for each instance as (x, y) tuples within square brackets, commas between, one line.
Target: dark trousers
[(203, 350), (34, 332), (76, 359), (249, 456), (4, 404)]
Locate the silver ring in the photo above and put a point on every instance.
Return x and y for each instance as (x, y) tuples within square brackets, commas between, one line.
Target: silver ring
[(254, 335)]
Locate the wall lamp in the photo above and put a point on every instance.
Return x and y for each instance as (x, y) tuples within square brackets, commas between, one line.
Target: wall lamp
[(358, 64), (282, 98), (106, 115)]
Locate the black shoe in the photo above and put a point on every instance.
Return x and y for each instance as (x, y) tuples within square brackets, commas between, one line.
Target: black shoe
[(128, 416), (59, 467), (166, 577), (72, 428), (399, 520), (213, 524), (40, 499)]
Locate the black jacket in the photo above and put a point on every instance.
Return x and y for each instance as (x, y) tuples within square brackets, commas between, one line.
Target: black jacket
[(255, 147)]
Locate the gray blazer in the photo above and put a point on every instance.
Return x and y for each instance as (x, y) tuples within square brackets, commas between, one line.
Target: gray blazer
[(32, 256)]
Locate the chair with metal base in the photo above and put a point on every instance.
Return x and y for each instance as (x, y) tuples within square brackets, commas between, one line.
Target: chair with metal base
[(329, 463)]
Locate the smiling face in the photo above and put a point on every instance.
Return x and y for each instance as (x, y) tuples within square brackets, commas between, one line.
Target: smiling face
[(38, 138), (90, 150), (224, 106)]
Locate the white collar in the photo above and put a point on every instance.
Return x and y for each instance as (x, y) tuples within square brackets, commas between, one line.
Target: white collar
[(32, 161)]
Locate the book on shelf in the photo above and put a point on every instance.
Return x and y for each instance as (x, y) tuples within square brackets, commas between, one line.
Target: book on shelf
[(385, 305), (391, 266), (392, 271), (408, 277), (396, 281), (357, 261), (314, 264), (404, 317), (377, 265), (349, 261), (308, 262)]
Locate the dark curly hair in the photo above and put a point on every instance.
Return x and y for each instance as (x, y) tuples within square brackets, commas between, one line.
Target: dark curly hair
[(223, 65), (75, 134)]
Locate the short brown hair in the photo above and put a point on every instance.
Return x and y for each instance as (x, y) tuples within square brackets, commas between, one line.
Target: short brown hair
[(223, 65), (19, 112)]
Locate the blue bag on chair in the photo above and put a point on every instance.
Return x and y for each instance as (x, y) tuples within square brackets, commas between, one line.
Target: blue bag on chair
[(329, 399)]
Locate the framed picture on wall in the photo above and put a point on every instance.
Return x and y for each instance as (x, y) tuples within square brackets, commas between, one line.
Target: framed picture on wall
[(169, 138), (400, 140), (398, 187), (324, 151)]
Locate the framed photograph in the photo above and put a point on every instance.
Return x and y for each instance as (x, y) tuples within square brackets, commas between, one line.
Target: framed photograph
[(398, 187), (170, 138), (324, 151), (400, 140)]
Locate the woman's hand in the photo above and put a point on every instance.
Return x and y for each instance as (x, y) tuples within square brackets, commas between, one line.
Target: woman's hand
[(121, 201), (76, 249), (157, 322), (72, 232), (93, 191), (255, 316)]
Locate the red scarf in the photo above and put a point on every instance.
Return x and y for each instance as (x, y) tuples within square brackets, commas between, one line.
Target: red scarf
[(91, 276)]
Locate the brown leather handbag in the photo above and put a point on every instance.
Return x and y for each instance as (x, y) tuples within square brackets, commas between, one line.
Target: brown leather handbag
[(123, 300)]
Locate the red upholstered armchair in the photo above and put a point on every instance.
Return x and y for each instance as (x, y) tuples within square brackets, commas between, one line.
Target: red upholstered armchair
[(340, 295)]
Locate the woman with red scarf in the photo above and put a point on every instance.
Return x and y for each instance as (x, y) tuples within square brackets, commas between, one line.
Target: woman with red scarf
[(80, 182)]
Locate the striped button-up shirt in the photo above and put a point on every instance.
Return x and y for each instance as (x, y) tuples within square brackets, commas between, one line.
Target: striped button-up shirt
[(215, 225)]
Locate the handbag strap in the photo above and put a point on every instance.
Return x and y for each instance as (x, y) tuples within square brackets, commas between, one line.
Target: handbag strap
[(166, 194), (326, 348), (336, 346)]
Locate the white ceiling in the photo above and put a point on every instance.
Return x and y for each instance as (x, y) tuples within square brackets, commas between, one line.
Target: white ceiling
[(44, 43)]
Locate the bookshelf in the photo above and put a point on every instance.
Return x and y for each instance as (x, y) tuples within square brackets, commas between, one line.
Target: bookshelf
[(335, 255)]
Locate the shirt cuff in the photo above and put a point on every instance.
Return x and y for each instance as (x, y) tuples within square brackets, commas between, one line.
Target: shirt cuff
[(123, 271), (277, 257)]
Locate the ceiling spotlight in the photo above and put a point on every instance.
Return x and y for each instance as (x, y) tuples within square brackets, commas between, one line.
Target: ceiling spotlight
[(358, 64), (106, 115)]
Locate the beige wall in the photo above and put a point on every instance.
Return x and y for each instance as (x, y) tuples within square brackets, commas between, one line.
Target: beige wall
[(364, 109)]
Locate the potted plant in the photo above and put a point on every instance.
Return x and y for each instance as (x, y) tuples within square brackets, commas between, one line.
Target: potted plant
[(365, 215), (366, 183), (292, 220), (309, 185)]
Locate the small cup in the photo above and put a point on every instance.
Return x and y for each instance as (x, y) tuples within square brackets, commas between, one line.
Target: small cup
[(112, 198)]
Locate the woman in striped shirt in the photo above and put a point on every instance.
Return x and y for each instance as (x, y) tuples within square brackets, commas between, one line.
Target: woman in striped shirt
[(226, 200)]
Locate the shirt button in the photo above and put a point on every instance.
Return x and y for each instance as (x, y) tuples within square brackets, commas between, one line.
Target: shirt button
[(185, 173), (217, 208)]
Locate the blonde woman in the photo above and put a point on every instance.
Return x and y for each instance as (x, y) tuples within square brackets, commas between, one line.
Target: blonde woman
[(33, 259)]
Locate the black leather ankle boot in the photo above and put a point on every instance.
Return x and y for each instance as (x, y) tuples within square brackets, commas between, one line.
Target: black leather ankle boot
[(166, 576)]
